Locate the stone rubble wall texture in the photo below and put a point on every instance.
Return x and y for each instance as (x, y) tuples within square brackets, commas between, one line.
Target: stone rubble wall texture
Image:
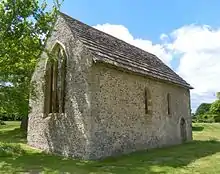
[(120, 124), (66, 134), (104, 108)]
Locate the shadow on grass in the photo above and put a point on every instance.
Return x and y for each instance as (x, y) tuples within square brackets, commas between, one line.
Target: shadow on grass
[(138, 162), (13, 136), (197, 128)]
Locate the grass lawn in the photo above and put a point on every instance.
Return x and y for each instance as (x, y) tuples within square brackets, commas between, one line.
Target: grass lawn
[(200, 156)]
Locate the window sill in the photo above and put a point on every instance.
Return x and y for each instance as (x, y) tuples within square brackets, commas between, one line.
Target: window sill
[(54, 115), (149, 113)]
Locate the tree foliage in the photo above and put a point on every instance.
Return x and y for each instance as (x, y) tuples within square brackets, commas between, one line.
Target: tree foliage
[(203, 108), (25, 26), (215, 107), (208, 112)]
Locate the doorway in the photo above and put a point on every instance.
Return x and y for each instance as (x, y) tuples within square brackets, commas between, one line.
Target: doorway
[(183, 133)]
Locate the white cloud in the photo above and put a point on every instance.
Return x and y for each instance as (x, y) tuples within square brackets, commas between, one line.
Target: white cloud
[(193, 38), (123, 33), (199, 47), (196, 47), (164, 37)]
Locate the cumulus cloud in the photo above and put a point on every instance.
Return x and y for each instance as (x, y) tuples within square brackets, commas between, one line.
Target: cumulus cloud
[(193, 38), (196, 47), (199, 49)]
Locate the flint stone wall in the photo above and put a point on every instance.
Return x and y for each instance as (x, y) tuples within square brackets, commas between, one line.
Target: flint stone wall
[(119, 122)]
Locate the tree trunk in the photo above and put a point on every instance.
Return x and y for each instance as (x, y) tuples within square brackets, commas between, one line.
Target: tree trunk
[(24, 123)]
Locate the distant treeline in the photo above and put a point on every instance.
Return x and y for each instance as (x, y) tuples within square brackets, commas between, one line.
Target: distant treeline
[(208, 112)]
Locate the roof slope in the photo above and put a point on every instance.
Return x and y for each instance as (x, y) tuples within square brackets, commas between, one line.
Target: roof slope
[(109, 49)]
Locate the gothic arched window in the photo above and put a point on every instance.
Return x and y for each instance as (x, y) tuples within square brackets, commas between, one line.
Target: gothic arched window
[(55, 81)]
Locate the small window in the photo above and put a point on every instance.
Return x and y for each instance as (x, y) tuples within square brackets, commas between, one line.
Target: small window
[(168, 104), (146, 101), (55, 82)]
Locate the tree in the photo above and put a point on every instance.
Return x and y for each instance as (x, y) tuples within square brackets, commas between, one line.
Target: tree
[(25, 26), (215, 107), (203, 108)]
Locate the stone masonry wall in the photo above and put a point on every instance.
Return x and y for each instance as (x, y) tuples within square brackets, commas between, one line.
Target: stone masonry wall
[(120, 124), (66, 134)]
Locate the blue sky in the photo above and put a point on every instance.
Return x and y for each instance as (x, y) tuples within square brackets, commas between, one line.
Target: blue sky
[(145, 18), (184, 34)]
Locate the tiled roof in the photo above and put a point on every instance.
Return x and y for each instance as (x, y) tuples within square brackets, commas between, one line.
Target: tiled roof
[(109, 49)]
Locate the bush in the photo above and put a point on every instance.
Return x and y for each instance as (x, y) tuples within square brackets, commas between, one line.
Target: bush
[(8, 149), (2, 122), (217, 118), (194, 120), (10, 117), (204, 118)]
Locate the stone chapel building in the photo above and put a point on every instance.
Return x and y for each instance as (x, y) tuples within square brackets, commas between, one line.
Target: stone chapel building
[(100, 96)]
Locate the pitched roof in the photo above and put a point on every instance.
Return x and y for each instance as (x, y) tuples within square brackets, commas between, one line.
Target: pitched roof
[(109, 49)]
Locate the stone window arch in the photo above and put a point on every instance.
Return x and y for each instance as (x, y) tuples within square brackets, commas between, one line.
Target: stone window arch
[(148, 102), (168, 104), (55, 81)]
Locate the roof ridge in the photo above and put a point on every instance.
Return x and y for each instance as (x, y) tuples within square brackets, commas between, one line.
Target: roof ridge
[(107, 34), (118, 46)]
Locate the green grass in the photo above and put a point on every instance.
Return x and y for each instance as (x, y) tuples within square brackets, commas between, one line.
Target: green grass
[(200, 156)]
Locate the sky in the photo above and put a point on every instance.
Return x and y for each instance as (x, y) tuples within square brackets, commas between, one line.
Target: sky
[(183, 34)]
